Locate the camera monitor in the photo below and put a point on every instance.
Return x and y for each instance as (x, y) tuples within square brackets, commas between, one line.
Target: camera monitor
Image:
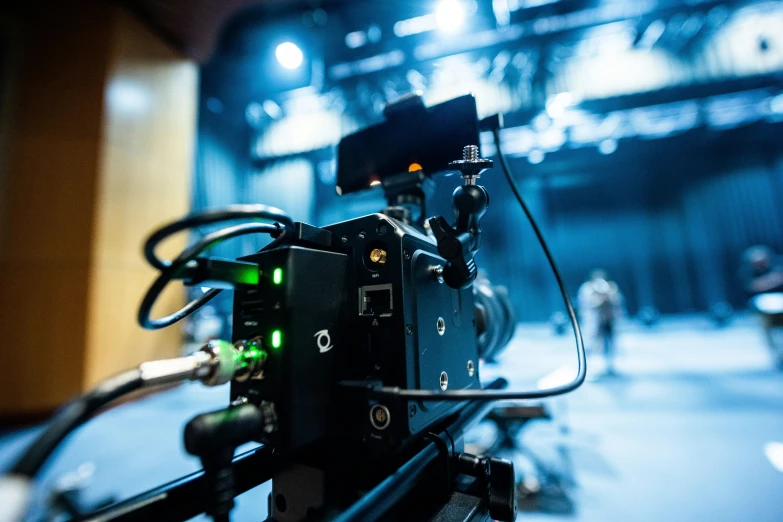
[(413, 137)]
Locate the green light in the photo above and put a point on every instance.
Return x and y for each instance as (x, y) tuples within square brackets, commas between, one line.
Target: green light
[(277, 276), (277, 339), (248, 276)]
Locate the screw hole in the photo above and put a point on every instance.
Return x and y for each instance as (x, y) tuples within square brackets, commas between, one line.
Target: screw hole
[(441, 326)]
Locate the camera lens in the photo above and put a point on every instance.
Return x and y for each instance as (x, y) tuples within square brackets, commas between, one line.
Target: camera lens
[(495, 318)]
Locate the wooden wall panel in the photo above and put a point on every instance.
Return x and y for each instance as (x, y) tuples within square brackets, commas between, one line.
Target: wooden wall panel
[(147, 148), (84, 181), (49, 172)]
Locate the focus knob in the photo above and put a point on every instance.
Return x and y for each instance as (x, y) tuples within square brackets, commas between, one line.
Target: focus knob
[(502, 493)]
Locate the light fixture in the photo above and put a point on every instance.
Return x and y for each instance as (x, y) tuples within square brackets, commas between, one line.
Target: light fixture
[(557, 104), (272, 109), (450, 15), (355, 39), (289, 55), (535, 156), (607, 146)]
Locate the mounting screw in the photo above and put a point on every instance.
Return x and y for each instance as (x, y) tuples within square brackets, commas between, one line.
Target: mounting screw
[(438, 273), (408, 329), (362, 234), (412, 411), (406, 254), (471, 369), (444, 380), (344, 239), (441, 325), (471, 165)]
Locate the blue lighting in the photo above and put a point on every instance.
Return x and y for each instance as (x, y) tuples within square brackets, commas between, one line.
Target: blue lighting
[(289, 55), (450, 15), (607, 146)]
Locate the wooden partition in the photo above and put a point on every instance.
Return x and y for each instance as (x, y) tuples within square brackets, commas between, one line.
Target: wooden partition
[(98, 130)]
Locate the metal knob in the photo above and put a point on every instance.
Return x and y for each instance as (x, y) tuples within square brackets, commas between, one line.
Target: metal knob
[(471, 165)]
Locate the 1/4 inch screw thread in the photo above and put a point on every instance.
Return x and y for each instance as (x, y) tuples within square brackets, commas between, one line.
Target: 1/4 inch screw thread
[(470, 153)]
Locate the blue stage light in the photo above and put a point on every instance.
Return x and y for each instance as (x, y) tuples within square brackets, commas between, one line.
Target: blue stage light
[(450, 15), (289, 55)]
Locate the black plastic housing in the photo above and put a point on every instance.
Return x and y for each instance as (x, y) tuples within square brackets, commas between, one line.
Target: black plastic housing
[(305, 307), (391, 323), (403, 348), (431, 137)]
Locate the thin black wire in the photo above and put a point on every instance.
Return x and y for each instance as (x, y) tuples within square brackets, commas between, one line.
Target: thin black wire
[(176, 266), (479, 395), (230, 213), (209, 217)]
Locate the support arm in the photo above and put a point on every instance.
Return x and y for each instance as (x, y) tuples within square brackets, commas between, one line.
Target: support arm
[(458, 244)]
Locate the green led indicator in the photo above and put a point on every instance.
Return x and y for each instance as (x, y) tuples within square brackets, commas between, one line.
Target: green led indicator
[(277, 276), (277, 339)]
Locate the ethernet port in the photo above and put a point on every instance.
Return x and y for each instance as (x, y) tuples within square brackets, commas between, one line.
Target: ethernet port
[(376, 300)]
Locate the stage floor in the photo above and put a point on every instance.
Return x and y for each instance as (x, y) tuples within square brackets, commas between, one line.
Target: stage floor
[(682, 433), (690, 429)]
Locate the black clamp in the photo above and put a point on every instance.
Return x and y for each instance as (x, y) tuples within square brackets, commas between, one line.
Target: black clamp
[(459, 244), (498, 475)]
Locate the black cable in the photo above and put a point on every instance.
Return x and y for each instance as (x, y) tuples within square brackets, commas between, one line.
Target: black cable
[(210, 217), (71, 417), (175, 268), (231, 213), (479, 395)]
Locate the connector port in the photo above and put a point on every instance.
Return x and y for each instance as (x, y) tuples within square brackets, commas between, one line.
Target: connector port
[(376, 300), (252, 307)]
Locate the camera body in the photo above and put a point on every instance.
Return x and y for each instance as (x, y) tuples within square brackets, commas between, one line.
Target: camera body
[(361, 300)]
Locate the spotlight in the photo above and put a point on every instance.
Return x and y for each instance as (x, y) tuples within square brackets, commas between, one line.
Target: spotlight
[(289, 55), (607, 146), (557, 104), (450, 15), (535, 156)]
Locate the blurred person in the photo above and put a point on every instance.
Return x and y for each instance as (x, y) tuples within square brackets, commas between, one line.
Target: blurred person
[(762, 277), (600, 305), (762, 270)]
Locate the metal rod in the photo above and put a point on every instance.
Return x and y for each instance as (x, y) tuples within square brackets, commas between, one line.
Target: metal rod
[(184, 498), (386, 494)]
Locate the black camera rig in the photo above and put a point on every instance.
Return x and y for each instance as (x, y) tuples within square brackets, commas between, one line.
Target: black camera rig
[(355, 350)]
